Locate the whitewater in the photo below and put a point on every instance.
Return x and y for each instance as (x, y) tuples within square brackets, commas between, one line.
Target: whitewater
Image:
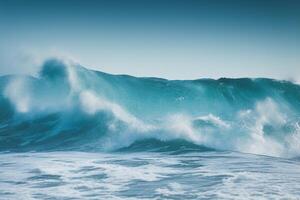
[(74, 133)]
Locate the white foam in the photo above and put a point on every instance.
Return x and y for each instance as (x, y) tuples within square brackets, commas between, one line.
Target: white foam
[(215, 120), (265, 112), (179, 126), (16, 91), (92, 103), (171, 190)]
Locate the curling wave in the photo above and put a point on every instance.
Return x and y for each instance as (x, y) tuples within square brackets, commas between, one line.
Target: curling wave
[(68, 107)]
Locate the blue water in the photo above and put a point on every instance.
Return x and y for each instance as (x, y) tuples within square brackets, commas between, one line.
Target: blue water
[(74, 133)]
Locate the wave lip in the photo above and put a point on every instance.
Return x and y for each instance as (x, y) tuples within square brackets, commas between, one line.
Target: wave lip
[(70, 107)]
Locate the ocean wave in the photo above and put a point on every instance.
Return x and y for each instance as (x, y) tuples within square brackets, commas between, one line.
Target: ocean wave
[(70, 107)]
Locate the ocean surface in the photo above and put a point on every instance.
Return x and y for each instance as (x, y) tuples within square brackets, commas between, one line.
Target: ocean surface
[(73, 133)]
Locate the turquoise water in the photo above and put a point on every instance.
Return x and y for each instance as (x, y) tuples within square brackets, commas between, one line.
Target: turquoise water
[(206, 175), (70, 132)]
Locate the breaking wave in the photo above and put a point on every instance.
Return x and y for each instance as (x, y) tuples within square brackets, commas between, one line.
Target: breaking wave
[(68, 107)]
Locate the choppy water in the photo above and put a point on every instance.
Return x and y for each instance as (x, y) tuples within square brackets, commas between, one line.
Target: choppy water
[(206, 175), (74, 133)]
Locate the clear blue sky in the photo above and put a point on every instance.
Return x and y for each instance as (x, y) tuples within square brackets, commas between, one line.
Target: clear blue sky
[(165, 38)]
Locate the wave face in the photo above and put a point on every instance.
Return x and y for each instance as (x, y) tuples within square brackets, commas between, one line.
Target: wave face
[(68, 107)]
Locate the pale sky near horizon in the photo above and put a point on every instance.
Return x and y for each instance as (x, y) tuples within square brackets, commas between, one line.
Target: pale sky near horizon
[(169, 39)]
